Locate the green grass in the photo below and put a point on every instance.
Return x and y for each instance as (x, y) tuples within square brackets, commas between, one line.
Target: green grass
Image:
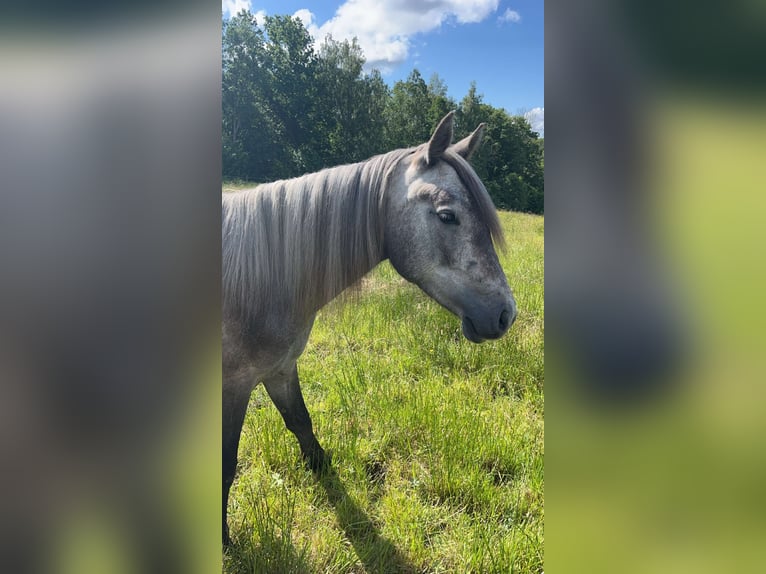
[(437, 443)]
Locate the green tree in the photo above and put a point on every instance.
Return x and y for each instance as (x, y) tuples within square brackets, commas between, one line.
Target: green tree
[(268, 98), (249, 131), (407, 121), (439, 102), (291, 68), (352, 103), (510, 160), (471, 112)]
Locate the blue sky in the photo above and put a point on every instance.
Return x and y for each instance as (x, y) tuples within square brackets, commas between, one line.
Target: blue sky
[(497, 43)]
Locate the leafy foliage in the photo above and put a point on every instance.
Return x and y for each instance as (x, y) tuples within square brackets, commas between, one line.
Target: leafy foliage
[(289, 109)]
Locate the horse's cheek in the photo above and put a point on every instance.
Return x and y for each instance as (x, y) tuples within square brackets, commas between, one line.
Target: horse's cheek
[(398, 237), (399, 259)]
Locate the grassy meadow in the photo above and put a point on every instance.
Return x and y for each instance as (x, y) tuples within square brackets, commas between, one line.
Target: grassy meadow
[(437, 443)]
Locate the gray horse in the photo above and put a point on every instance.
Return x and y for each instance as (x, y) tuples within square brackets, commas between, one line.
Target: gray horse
[(290, 247)]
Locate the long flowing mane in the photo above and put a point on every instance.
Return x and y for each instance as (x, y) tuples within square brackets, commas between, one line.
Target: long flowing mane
[(478, 195), (299, 243)]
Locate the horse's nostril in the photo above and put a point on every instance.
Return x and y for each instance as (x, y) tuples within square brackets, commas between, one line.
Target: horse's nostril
[(505, 318)]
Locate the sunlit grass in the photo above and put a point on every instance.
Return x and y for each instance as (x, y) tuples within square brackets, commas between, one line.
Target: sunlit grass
[(437, 443)]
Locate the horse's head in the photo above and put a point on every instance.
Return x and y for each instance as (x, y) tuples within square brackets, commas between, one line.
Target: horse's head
[(439, 234)]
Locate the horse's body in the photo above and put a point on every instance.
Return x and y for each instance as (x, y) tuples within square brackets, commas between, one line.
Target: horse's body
[(290, 247)]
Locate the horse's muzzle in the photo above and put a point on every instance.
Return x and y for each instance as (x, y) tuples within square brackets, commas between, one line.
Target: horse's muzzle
[(482, 324)]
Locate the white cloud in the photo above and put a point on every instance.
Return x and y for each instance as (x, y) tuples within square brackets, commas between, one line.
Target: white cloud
[(234, 7), (305, 16), (384, 28), (536, 118), (509, 16)]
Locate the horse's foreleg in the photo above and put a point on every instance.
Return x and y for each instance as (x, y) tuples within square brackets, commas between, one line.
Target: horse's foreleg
[(235, 399), (285, 392)]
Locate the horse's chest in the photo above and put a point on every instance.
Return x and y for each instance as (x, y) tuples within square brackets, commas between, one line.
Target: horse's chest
[(259, 352)]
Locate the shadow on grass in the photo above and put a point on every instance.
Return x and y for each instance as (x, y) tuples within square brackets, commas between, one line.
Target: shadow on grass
[(376, 553)]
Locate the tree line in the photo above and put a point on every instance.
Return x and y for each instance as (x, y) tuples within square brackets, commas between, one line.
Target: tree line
[(290, 107)]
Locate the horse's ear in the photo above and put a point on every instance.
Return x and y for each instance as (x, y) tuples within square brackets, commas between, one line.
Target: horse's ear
[(441, 139), (468, 145)]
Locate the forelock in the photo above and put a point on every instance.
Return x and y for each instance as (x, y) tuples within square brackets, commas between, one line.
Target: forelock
[(477, 195)]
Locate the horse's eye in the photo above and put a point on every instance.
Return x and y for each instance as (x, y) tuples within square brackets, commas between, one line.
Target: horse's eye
[(447, 217)]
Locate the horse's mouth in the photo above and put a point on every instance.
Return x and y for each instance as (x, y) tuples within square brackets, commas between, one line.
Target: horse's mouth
[(469, 331)]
